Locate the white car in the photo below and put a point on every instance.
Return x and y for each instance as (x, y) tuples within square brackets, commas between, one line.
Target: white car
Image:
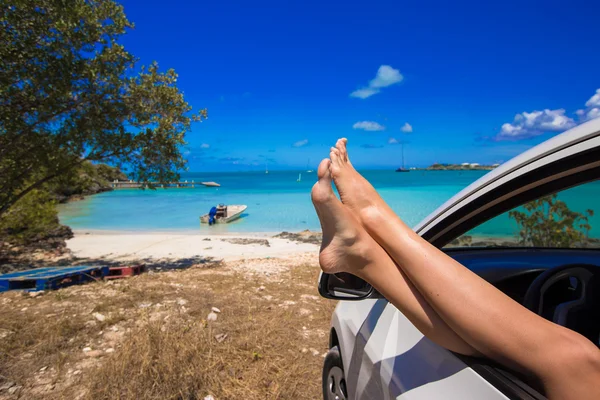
[(377, 353)]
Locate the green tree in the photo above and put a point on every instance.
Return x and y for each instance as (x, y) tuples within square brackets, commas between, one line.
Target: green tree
[(548, 222), (32, 220), (70, 93)]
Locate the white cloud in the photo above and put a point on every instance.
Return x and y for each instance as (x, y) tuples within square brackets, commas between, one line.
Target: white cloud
[(386, 76), (368, 126), (364, 93), (393, 141), (300, 143), (205, 146), (594, 101), (527, 125), (406, 128), (593, 108)]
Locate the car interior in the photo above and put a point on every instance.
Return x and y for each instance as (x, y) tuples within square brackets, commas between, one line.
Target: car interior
[(560, 283)]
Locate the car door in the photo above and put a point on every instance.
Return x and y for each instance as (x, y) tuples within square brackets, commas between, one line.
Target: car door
[(391, 359)]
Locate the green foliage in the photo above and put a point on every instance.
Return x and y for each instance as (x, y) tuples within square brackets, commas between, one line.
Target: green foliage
[(32, 218), (70, 93), (548, 222), (85, 179)]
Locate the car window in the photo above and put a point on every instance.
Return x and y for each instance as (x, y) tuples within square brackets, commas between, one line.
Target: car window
[(566, 219)]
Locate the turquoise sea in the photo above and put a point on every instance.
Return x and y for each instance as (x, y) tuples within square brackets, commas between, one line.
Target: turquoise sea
[(277, 202)]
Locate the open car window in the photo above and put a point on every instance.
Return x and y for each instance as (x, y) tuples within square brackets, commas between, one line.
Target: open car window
[(566, 219)]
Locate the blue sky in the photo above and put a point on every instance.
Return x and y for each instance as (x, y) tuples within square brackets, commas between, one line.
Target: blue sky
[(282, 80)]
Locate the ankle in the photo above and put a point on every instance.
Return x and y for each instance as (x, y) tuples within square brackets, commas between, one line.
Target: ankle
[(371, 217)]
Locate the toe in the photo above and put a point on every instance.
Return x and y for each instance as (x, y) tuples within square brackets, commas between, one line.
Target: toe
[(323, 170), (322, 191), (341, 146), (334, 154)]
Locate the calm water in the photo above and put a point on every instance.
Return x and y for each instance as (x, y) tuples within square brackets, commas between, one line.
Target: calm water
[(276, 202)]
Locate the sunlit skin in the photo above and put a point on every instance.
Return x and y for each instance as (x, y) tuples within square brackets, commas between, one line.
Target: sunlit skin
[(451, 304), (345, 242)]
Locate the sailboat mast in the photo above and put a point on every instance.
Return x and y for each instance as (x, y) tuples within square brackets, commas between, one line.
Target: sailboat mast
[(402, 147)]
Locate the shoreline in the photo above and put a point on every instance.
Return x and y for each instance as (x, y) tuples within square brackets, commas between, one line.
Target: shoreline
[(122, 246), (188, 232)]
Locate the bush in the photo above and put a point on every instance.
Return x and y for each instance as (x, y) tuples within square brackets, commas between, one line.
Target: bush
[(548, 222), (34, 220), (85, 180)]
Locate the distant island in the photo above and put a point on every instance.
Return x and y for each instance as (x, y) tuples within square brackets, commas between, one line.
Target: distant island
[(459, 167)]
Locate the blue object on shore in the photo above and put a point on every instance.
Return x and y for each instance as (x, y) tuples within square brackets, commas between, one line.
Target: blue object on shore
[(211, 215), (50, 278)]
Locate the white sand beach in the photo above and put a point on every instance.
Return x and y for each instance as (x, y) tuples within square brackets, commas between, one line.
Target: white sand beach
[(123, 246)]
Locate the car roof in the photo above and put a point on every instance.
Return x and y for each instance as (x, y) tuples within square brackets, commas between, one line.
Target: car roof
[(579, 139)]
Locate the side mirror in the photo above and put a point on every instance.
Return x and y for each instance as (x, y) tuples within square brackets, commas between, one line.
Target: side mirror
[(345, 286)]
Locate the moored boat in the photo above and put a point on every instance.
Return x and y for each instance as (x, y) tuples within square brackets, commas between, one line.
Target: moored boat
[(223, 214)]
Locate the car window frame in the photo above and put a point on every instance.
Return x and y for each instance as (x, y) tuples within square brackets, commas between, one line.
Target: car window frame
[(568, 167)]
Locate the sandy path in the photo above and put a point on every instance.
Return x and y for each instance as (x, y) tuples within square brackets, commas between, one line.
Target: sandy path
[(127, 246)]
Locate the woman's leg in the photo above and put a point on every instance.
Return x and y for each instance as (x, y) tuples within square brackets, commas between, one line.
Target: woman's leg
[(565, 362), (347, 247)]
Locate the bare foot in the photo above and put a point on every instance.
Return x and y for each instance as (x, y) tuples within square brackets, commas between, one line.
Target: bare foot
[(356, 192), (346, 245)]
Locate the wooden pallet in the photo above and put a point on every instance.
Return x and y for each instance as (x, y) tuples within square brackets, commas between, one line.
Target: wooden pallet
[(50, 278), (125, 272)]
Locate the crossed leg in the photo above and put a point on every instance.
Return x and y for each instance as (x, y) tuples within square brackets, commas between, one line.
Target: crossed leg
[(565, 363), (347, 247)]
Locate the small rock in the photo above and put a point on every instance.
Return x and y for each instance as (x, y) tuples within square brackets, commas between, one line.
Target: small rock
[(268, 297), (7, 386), (314, 352), (77, 372), (182, 302), (209, 397), (36, 294), (43, 369), (215, 310), (86, 349), (4, 333), (94, 353), (211, 316), (99, 317), (13, 389), (304, 311), (304, 350), (145, 305), (109, 350), (24, 309), (261, 288), (221, 337)]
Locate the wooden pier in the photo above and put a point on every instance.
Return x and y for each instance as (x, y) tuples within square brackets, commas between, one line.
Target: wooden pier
[(183, 184)]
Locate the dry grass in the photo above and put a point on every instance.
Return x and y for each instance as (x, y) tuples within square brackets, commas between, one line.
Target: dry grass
[(160, 344)]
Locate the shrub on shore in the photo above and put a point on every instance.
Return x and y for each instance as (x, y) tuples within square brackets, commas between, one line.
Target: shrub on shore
[(33, 224)]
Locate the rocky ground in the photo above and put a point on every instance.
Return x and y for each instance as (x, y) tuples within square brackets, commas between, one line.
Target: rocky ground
[(305, 236), (252, 329)]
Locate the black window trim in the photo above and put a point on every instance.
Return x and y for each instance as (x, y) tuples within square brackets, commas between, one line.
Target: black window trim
[(557, 176)]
